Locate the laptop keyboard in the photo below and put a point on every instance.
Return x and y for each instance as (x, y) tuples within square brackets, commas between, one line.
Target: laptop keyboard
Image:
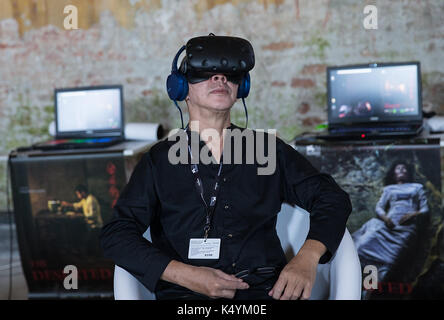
[(381, 129), (77, 143)]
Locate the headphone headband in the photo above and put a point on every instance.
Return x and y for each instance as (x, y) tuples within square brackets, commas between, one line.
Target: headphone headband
[(176, 58)]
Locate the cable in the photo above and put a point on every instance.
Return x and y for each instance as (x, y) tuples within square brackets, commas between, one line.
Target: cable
[(246, 112), (11, 236), (181, 116)]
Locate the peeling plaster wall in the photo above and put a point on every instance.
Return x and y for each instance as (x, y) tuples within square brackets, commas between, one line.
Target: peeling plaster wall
[(134, 41)]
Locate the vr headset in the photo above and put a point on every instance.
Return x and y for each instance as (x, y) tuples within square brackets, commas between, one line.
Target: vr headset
[(210, 55)]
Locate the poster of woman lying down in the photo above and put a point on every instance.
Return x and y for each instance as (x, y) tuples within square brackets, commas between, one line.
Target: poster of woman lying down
[(397, 219)]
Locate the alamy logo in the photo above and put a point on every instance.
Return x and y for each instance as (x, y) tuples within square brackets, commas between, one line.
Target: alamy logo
[(255, 147), (370, 280), (71, 21), (371, 20), (71, 280)]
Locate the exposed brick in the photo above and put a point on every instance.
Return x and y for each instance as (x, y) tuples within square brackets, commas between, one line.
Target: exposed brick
[(302, 83), (303, 108), (141, 81), (311, 121), (314, 69), (114, 44), (278, 46), (278, 84)]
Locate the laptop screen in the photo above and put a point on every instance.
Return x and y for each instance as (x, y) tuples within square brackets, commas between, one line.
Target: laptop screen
[(89, 112), (374, 93)]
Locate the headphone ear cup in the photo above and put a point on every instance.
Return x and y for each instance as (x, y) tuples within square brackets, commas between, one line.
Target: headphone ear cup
[(244, 87), (177, 86)]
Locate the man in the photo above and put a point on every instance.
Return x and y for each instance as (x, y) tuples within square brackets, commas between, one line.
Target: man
[(88, 205), (245, 259)]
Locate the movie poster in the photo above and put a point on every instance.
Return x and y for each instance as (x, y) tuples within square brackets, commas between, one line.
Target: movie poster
[(61, 204), (397, 217)]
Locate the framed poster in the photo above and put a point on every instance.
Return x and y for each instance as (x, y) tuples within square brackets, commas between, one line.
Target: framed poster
[(60, 204), (397, 217)]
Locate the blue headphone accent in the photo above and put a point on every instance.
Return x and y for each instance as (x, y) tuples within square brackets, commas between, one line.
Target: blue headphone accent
[(177, 84), (244, 87)]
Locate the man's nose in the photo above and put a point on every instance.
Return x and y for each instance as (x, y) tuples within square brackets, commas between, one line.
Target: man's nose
[(218, 77)]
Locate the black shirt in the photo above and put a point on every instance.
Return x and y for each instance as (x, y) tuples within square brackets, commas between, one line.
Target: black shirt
[(163, 196)]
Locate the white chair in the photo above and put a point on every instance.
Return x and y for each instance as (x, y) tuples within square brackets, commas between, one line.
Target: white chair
[(340, 279)]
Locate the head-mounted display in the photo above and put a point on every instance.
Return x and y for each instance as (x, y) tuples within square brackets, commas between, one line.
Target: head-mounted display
[(209, 55)]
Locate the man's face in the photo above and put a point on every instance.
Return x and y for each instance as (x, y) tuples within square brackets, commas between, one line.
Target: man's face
[(80, 195), (216, 93)]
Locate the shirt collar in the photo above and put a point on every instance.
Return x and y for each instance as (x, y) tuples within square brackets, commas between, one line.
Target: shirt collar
[(201, 142), (231, 127)]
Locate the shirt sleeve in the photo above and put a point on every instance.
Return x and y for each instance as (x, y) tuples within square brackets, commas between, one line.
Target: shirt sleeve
[(122, 238), (88, 209), (318, 193), (382, 204), (78, 205)]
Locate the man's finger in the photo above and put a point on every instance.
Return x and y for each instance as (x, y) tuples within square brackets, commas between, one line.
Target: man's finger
[(278, 288), (233, 284), (297, 291), (229, 294), (306, 294), (289, 290)]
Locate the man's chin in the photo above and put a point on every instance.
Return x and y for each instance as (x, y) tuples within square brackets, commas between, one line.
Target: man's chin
[(221, 104)]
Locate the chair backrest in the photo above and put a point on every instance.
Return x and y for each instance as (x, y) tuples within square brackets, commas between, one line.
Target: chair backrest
[(127, 287), (340, 279)]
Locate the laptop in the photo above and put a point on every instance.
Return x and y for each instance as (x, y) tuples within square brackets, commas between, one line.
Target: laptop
[(87, 117), (374, 101)]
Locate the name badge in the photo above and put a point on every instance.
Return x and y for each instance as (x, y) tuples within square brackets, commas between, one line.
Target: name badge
[(204, 249)]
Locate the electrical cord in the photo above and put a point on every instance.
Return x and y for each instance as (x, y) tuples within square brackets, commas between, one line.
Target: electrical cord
[(11, 235), (246, 112), (243, 101)]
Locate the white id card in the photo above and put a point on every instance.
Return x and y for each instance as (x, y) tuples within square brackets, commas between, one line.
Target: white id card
[(201, 249)]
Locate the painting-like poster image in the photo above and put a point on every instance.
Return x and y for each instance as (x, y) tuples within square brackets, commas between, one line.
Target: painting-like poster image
[(61, 204), (397, 218)]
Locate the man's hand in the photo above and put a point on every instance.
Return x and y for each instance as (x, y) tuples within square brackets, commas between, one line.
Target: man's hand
[(207, 281), (216, 284), (297, 278)]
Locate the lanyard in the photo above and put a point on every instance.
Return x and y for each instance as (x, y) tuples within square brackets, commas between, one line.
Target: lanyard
[(199, 186)]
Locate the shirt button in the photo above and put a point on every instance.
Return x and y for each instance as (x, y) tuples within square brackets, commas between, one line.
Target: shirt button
[(227, 207), (233, 265), (230, 235), (225, 179)]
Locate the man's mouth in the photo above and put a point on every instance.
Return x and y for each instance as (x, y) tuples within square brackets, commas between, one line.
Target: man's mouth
[(219, 91)]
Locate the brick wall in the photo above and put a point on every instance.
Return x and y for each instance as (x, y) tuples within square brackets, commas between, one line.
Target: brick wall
[(133, 42)]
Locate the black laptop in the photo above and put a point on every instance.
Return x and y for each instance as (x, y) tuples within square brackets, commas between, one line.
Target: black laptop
[(87, 117), (374, 101)]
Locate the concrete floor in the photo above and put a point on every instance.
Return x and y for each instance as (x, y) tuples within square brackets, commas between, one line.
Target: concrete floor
[(19, 288)]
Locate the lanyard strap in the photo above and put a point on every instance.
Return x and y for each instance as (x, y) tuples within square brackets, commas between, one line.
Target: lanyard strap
[(200, 189)]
